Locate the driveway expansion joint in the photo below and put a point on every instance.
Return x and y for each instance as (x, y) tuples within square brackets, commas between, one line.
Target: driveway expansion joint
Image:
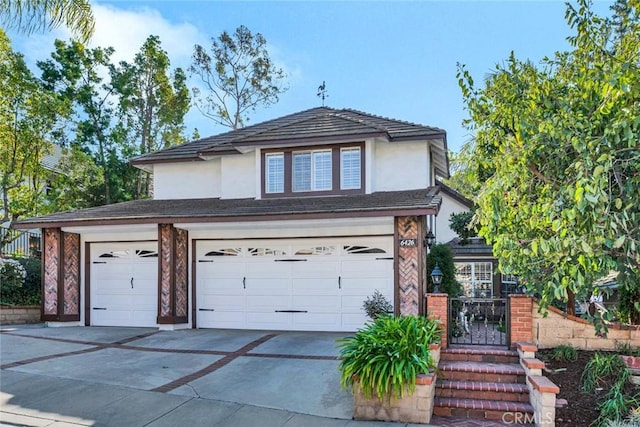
[(214, 366)]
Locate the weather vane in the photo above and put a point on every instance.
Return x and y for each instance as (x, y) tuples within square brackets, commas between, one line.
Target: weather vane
[(322, 92)]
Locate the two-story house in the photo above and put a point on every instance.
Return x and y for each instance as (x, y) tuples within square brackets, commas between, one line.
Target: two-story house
[(287, 224)]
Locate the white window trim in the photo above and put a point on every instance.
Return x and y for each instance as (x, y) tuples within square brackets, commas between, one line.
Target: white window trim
[(312, 170), (342, 174), (267, 180)]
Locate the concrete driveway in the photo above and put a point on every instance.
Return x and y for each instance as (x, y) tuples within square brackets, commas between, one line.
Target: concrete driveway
[(135, 376)]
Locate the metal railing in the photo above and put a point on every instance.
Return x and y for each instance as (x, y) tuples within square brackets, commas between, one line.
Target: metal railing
[(16, 243), (478, 321)]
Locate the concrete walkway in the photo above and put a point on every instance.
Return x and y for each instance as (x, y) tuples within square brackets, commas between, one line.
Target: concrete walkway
[(143, 377)]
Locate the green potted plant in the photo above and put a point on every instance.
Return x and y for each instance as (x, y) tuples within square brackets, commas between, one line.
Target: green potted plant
[(390, 367)]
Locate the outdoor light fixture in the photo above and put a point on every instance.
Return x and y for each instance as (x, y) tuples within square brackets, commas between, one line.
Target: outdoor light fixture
[(429, 239), (436, 277)]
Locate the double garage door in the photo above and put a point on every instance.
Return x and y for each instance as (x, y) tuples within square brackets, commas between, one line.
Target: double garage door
[(302, 284), (280, 284)]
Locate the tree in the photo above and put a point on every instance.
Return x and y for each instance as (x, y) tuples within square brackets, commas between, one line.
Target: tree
[(76, 73), (36, 15), (238, 76), (556, 148), (441, 254), (77, 183), (153, 103), (28, 113)]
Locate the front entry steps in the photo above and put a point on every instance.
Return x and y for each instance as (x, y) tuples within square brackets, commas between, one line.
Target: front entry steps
[(482, 383)]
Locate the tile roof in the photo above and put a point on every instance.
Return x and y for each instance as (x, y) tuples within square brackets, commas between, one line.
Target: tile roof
[(315, 123), (421, 201)]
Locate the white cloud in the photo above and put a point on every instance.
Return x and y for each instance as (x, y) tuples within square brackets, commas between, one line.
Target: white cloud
[(126, 31)]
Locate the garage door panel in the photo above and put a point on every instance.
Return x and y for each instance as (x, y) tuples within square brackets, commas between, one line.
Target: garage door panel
[(353, 321), (365, 286), (316, 269), (317, 303), (272, 286), (316, 286), (268, 302), (223, 319), (221, 269), (223, 286), (268, 320), (267, 269), (222, 302), (113, 269), (370, 267), (316, 321)]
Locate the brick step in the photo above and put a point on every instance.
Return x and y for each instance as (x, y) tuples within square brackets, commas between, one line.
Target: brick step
[(512, 392), (506, 412), (479, 354), (482, 371)]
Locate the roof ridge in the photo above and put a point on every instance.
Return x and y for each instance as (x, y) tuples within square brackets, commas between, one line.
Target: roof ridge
[(406, 122), (339, 113), (284, 121)]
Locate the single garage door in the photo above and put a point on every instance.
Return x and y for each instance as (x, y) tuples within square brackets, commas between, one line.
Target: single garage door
[(302, 284), (124, 284)]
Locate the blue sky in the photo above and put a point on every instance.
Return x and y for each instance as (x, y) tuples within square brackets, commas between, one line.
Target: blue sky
[(396, 59)]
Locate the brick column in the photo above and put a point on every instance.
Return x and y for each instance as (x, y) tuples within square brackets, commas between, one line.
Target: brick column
[(438, 309), (520, 319), (173, 275)]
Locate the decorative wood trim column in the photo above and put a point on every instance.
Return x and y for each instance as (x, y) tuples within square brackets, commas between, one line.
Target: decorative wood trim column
[(409, 265), (173, 274), (60, 276)]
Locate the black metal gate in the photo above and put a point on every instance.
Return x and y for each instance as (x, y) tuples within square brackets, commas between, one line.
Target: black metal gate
[(478, 321)]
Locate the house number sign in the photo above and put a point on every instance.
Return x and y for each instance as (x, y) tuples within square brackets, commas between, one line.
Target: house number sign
[(408, 243)]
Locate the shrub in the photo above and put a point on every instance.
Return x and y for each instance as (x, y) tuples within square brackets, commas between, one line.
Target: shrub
[(386, 356), (12, 273), (565, 353), (377, 305), (610, 373), (28, 293)]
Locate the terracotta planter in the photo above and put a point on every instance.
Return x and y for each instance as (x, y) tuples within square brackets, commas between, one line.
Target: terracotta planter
[(414, 408), (633, 363)]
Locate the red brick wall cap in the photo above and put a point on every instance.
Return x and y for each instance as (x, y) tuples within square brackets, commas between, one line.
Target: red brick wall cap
[(525, 346), (426, 379), (533, 363), (543, 384)]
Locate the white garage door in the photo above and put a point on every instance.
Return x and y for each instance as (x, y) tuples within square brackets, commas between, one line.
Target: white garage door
[(303, 284), (124, 284)]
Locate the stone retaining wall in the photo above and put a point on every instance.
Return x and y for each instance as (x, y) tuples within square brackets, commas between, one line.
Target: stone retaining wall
[(560, 328), (415, 408), (13, 315)]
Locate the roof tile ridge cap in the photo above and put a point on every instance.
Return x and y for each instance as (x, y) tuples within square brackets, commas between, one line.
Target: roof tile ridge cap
[(284, 121), (406, 122)]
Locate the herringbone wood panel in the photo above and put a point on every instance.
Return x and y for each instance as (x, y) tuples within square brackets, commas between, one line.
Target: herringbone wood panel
[(181, 280), (408, 267), (71, 273), (51, 263)]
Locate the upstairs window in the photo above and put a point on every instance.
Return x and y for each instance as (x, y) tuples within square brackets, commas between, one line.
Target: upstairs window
[(274, 173), (350, 166), (295, 172), (312, 171)]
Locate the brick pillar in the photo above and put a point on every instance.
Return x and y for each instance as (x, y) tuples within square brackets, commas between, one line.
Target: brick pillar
[(60, 276), (438, 309), (409, 267), (520, 319), (173, 275)]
